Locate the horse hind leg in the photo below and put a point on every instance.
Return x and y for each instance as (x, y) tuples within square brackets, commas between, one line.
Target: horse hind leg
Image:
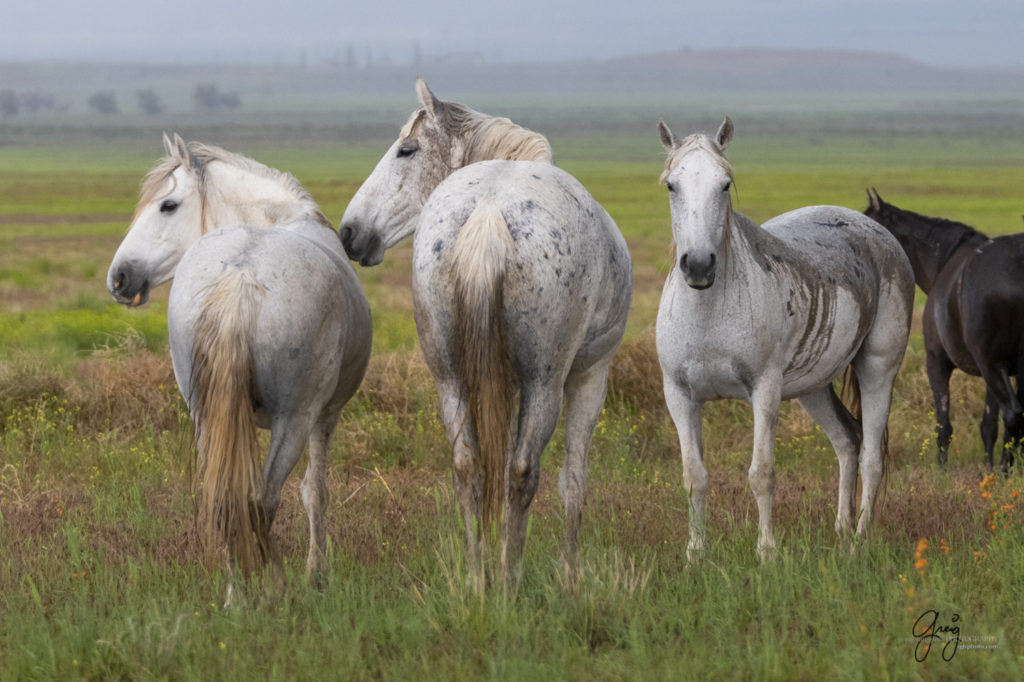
[(288, 438), (1000, 391), (843, 432), (989, 426), (468, 474), (315, 496), (1013, 421), (939, 368), (876, 373), (584, 399), (538, 415)]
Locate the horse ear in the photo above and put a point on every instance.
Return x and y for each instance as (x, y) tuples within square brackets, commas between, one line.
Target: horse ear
[(168, 147), (878, 199), (180, 151), (668, 139), (872, 200), (427, 99), (724, 135)]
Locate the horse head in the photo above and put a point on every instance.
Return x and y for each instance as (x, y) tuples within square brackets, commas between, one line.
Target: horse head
[(387, 205), (167, 220), (698, 178), (438, 139)]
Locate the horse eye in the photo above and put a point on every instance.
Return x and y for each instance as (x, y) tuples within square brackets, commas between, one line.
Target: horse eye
[(407, 150), (671, 187), (727, 187), (169, 206)]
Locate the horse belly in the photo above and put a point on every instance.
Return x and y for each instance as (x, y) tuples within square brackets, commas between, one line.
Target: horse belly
[(824, 345)]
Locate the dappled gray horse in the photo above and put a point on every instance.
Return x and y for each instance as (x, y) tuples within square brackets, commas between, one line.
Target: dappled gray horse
[(268, 328), (773, 312), (521, 287)]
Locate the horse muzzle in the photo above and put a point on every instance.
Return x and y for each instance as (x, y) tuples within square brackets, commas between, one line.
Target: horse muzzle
[(361, 245), (127, 287), (698, 269)]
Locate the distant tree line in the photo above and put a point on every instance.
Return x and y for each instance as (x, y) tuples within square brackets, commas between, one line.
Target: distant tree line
[(31, 101), (207, 97)]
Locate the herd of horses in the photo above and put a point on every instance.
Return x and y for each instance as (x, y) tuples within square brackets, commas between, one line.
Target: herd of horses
[(521, 285)]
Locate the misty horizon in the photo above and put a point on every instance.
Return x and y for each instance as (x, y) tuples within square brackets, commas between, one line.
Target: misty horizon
[(940, 33)]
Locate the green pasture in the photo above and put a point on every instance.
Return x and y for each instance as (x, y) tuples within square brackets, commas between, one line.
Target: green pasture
[(101, 575)]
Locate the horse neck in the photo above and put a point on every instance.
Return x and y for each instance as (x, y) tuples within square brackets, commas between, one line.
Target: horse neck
[(238, 196), (744, 238), (933, 243)]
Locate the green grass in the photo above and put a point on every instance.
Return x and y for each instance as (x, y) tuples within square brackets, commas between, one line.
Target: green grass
[(101, 574)]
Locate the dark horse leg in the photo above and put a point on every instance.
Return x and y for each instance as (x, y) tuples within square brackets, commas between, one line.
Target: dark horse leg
[(1002, 392), (989, 426), (939, 368)]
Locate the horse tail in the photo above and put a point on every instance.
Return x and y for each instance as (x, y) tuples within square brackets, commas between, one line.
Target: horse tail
[(480, 257), (228, 475)]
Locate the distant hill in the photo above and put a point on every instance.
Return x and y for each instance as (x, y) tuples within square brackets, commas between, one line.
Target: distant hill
[(721, 69), (773, 88)]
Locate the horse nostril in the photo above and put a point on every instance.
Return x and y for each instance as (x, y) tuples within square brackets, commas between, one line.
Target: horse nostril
[(346, 234), (119, 282), (682, 261), (711, 261)]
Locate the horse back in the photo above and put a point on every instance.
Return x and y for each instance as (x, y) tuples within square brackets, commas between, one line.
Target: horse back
[(844, 271), (567, 281), (989, 300), (310, 340)]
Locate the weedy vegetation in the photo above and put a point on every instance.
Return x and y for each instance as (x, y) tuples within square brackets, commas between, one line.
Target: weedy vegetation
[(101, 574)]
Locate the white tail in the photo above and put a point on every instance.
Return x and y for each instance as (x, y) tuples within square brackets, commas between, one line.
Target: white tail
[(228, 477), (481, 254)]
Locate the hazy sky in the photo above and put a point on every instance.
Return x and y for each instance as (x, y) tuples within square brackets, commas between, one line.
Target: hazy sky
[(938, 32)]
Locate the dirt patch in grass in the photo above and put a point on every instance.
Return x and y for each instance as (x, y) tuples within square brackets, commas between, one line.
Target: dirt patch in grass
[(62, 218)]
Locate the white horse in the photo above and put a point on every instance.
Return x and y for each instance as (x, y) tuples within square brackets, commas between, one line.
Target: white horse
[(268, 328), (521, 286), (779, 311)]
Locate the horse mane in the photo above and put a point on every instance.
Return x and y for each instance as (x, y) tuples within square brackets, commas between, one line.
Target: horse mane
[(487, 137), (202, 155), (933, 223)]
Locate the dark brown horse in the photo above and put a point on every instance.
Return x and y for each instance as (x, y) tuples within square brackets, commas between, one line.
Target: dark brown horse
[(974, 317)]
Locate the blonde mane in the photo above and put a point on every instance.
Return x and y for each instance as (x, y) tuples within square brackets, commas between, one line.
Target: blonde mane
[(200, 156), (691, 143), (485, 137)]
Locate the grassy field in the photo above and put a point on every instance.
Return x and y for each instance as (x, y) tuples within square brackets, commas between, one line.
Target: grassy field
[(100, 570)]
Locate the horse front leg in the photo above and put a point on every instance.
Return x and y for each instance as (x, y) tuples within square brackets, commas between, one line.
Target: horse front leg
[(686, 416), (584, 400), (765, 400), (538, 415)]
